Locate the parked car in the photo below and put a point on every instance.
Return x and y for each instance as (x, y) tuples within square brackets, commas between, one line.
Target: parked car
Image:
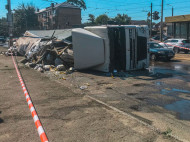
[(2, 39), (168, 46), (179, 42), (157, 37), (159, 52)]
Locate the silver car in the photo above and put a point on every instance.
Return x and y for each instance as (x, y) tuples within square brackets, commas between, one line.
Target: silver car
[(178, 42)]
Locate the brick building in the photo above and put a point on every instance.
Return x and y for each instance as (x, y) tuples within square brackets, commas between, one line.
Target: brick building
[(59, 16)]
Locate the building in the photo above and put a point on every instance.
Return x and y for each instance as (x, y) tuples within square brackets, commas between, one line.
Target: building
[(178, 26), (59, 16)]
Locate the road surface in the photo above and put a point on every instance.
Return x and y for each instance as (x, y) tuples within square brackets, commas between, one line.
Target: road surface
[(67, 116)]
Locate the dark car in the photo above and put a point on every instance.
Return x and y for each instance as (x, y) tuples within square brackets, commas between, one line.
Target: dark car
[(159, 52), (157, 37), (2, 39)]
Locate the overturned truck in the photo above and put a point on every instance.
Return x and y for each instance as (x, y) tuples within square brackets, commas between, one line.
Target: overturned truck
[(109, 48), (102, 48)]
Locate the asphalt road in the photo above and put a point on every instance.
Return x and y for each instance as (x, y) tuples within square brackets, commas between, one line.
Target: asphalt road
[(158, 96), (66, 113)]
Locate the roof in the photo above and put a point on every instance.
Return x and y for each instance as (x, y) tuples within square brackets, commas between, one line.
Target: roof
[(59, 34), (179, 18), (64, 5)]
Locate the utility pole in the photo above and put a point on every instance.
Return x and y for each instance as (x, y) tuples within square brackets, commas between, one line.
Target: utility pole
[(172, 23), (10, 21), (161, 24), (172, 11), (151, 21)]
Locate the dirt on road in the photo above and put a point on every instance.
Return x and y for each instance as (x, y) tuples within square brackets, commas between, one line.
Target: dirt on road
[(66, 112)]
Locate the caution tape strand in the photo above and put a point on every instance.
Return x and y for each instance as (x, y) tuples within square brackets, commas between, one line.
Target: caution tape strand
[(36, 119)]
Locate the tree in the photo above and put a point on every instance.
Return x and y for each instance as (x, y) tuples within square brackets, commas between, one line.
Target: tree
[(24, 18), (123, 19), (102, 19), (79, 3), (91, 18), (4, 27)]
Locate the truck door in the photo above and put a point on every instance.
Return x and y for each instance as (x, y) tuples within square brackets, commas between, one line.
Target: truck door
[(131, 48)]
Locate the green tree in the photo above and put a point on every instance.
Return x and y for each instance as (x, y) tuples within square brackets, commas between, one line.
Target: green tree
[(79, 3), (102, 19), (24, 18), (4, 27), (91, 18), (122, 19)]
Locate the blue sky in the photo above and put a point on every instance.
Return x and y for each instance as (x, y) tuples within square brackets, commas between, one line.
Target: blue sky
[(137, 9)]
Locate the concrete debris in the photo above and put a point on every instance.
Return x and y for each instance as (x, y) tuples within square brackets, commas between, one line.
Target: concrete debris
[(27, 64), (47, 67), (38, 66), (83, 87), (31, 65), (61, 68), (40, 69), (71, 69)]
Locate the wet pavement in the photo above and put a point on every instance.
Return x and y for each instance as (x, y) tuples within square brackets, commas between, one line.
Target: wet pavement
[(158, 96), (179, 70), (182, 108)]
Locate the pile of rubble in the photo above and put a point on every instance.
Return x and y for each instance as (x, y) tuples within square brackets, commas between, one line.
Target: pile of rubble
[(44, 54)]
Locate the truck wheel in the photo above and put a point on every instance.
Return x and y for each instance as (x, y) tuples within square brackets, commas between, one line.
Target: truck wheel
[(176, 50), (153, 57)]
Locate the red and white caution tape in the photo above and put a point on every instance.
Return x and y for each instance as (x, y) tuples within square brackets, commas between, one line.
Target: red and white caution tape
[(172, 45), (37, 122)]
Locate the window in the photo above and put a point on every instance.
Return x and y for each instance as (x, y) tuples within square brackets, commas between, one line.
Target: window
[(177, 30), (155, 45), (171, 41), (183, 30), (186, 41)]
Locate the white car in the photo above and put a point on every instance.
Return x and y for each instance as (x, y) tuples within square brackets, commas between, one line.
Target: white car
[(178, 42), (167, 46)]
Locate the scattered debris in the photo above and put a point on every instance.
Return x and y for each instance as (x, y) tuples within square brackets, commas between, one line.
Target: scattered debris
[(45, 53), (83, 87), (61, 68), (167, 132), (71, 69), (40, 69), (47, 67)]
